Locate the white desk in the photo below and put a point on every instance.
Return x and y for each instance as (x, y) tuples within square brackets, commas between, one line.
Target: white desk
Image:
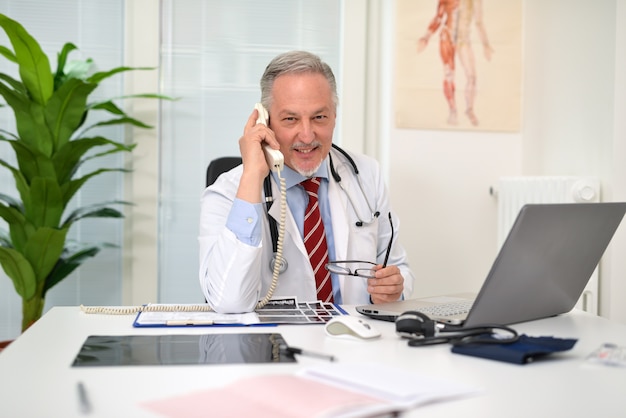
[(36, 379)]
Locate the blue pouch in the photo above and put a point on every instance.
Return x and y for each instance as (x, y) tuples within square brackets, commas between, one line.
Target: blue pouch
[(522, 351)]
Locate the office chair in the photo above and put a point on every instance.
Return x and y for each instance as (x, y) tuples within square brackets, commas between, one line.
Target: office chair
[(218, 166)]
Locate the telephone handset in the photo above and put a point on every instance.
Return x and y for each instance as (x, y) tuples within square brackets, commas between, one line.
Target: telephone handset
[(275, 161), (274, 158)]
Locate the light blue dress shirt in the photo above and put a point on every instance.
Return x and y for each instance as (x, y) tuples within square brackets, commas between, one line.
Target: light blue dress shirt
[(244, 218)]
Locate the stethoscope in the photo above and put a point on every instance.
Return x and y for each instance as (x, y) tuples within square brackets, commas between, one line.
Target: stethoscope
[(269, 200)]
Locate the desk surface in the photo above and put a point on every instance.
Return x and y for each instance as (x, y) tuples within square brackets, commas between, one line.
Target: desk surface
[(37, 379)]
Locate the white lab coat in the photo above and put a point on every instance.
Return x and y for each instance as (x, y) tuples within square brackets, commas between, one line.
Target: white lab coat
[(234, 275)]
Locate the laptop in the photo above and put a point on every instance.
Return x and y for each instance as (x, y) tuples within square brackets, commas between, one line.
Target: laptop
[(541, 270)]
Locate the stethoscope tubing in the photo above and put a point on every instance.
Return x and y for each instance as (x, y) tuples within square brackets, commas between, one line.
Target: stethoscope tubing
[(269, 200)]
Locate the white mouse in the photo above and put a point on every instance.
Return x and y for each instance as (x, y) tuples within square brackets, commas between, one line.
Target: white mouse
[(351, 326)]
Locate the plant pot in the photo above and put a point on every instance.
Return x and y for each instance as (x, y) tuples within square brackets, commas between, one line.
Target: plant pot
[(4, 344)]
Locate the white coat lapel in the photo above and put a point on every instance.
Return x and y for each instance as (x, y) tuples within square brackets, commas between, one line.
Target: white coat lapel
[(339, 208), (291, 229)]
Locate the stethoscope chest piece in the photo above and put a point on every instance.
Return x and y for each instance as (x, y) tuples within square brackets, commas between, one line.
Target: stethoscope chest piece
[(283, 264)]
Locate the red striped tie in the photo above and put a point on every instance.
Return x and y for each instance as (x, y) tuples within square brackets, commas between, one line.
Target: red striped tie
[(315, 241)]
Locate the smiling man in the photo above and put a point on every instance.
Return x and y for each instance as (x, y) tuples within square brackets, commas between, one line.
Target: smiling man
[(348, 218)]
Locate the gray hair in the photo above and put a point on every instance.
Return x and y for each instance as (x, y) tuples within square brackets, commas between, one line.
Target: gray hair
[(294, 62)]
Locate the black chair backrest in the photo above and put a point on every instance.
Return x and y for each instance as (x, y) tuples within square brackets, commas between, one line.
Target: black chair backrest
[(219, 166)]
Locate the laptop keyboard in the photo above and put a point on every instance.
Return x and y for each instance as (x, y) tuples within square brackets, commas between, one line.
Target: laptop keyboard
[(447, 309)]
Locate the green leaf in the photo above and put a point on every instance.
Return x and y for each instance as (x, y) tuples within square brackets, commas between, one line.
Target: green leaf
[(15, 84), (20, 182), (5, 240), (66, 109), (43, 249), (67, 263), (99, 210), (19, 227), (16, 98), (69, 189), (149, 96), (109, 106), (112, 151), (34, 66), (121, 121), (11, 135), (8, 54), (133, 96), (32, 163), (59, 75), (19, 270), (9, 166), (67, 159), (34, 130), (29, 119), (11, 214), (46, 203), (12, 202), (98, 77)]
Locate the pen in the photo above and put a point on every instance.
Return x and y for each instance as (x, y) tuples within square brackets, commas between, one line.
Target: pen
[(188, 322), (83, 399), (300, 351), (177, 322)]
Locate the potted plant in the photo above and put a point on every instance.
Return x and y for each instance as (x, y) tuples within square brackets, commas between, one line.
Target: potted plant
[(50, 143)]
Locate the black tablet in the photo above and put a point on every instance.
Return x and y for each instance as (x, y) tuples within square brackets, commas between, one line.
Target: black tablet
[(151, 350)]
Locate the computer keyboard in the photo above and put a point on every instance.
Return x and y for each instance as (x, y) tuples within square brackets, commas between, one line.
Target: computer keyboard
[(447, 309)]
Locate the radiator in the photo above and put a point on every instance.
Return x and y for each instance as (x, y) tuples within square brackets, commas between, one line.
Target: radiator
[(514, 192)]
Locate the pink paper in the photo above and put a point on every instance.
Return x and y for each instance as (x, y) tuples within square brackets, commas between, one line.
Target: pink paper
[(272, 396)]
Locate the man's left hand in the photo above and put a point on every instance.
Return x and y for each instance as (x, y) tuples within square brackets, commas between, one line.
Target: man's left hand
[(387, 286)]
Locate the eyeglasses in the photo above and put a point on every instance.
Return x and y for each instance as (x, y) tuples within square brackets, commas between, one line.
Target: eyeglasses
[(360, 268)]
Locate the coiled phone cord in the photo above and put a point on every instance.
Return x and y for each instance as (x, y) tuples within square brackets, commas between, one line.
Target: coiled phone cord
[(278, 260), (129, 310)]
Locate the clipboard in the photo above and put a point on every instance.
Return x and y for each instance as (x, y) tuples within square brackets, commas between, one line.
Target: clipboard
[(275, 312)]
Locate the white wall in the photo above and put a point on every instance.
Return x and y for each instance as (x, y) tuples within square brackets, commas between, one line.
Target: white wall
[(574, 102)]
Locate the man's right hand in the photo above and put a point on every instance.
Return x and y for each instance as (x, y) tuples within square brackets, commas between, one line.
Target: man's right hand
[(255, 167)]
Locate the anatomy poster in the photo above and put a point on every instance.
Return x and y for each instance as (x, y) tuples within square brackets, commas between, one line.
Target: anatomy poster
[(458, 64)]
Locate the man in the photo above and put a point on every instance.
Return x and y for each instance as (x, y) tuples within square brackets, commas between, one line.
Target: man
[(236, 270)]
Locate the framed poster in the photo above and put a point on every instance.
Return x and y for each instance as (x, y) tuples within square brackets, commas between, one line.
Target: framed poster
[(458, 64)]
